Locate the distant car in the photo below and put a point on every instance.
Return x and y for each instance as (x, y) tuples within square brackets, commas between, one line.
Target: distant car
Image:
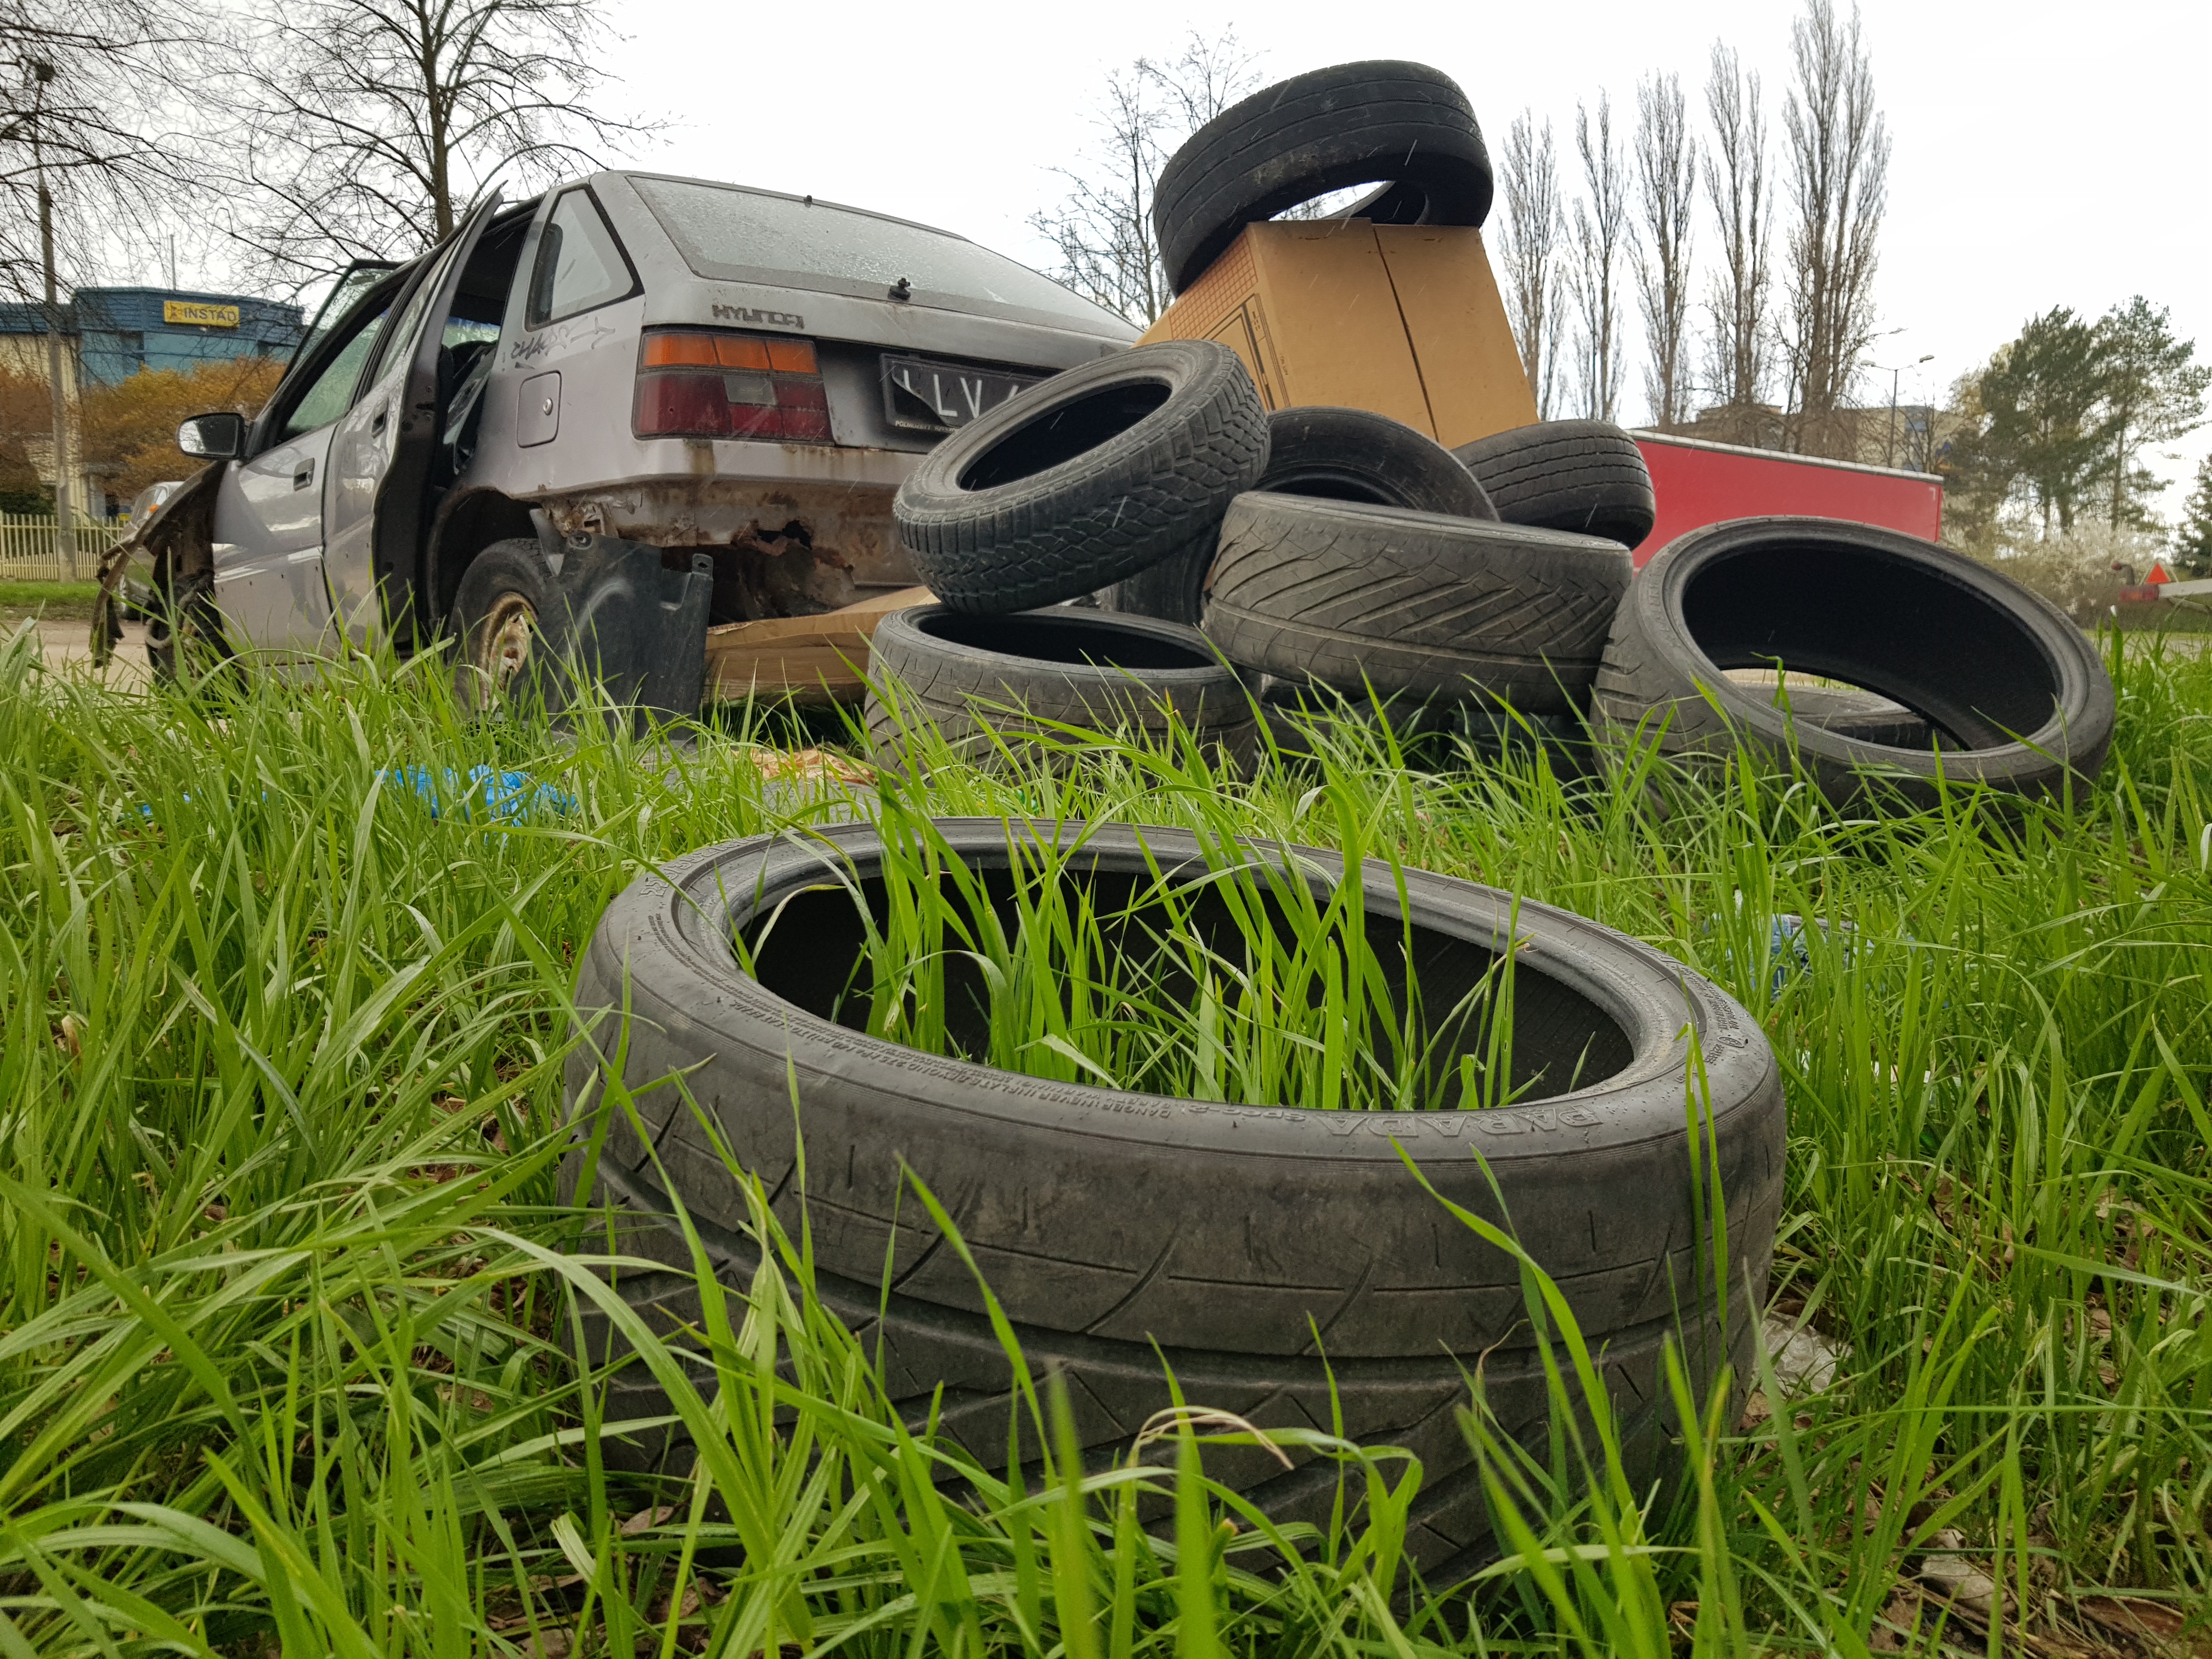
[(691, 365)]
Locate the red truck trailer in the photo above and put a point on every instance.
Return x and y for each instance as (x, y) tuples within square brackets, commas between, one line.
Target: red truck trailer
[(1698, 483)]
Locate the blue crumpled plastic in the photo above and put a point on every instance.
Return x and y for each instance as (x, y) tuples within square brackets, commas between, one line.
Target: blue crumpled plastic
[(499, 797), (1785, 947)]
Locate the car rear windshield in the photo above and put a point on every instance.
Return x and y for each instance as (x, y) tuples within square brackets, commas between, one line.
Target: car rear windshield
[(751, 236)]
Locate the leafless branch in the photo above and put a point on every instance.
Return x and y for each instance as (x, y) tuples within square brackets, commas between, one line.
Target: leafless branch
[(1102, 229), (1667, 185), (368, 128), (1531, 240), (1603, 235), (1838, 150), (1739, 355)]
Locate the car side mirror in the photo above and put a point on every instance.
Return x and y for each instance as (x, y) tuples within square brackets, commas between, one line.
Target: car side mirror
[(217, 437)]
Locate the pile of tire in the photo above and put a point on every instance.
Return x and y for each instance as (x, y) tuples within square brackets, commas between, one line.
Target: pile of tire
[(1243, 561), (1320, 548), (1282, 1261)]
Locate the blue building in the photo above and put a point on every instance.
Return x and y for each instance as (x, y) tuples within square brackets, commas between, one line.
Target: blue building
[(124, 329), (113, 332)]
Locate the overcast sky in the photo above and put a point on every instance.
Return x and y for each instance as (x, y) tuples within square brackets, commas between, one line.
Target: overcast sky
[(2044, 154)]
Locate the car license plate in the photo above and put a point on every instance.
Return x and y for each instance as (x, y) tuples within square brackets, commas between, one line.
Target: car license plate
[(921, 395)]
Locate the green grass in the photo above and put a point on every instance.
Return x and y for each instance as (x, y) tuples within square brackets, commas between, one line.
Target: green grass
[(1235, 982), (282, 1366), (55, 600)]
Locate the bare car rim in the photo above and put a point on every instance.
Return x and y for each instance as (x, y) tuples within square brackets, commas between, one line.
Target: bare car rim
[(502, 653)]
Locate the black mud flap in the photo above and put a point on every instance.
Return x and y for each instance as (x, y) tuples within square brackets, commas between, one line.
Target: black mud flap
[(637, 625)]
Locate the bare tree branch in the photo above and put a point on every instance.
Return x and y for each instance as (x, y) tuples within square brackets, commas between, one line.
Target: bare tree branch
[(1667, 186), (1738, 359), (1603, 236), (82, 85), (1838, 150), (1532, 250), (368, 128), (1102, 229)]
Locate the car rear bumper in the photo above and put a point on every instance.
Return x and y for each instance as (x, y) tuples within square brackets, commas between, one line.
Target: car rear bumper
[(765, 497)]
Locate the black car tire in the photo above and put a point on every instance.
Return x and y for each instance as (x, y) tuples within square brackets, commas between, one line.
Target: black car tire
[(510, 625), (2015, 694), (1404, 123), (1858, 714), (533, 623), (1584, 476), (960, 673), (1304, 719), (1365, 598), (1105, 1221), (1335, 454), (1097, 473)]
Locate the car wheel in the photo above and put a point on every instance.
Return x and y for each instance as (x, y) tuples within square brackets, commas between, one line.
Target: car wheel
[(1097, 473), (1584, 476), (510, 625), (1374, 599), (535, 627), (1317, 132), (961, 673), (1107, 1222), (1333, 455), (185, 641), (2014, 694)]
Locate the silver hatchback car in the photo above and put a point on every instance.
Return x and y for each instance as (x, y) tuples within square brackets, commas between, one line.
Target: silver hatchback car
[(700, 368)]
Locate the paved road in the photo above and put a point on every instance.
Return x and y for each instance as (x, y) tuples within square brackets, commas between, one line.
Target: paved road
[(66, 647)]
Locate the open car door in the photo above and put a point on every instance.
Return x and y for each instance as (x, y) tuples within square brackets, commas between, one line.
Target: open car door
[(382, 454)]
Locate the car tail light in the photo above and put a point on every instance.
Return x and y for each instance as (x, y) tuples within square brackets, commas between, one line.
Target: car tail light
[(700, 383)]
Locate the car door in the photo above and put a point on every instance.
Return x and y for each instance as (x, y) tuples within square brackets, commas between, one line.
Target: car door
[(268, 521), (382, 449)]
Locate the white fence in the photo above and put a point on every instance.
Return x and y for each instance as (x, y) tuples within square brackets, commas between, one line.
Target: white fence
[(33, 549)]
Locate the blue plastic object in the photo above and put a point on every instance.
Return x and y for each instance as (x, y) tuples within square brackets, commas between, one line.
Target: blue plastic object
[(499, 797)]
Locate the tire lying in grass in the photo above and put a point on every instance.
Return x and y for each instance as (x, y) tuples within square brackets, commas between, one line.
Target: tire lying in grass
[(1106, 1221), (937, 667), (1358, 596), (1314, 133), (1584, 476), (1860, 715), (2013, 695), (1095, 475), (1335, 454), (1307, 721)]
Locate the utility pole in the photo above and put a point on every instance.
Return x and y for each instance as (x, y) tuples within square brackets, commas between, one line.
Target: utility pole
[(1889, 450), (64, 521)]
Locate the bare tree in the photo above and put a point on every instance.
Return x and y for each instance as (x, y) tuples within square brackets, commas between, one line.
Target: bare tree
[(1838, 151), (81, 82), (79, 88), (1603, 236), (1739, 355), (1532, 249), (1101, 230), (1667, 187), (370, 127)]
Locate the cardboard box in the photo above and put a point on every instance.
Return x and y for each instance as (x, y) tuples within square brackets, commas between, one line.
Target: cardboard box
[(1404, 321), (822, 658)]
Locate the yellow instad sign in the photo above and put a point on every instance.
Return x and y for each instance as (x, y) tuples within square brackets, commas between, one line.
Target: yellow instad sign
[(193, 311)]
